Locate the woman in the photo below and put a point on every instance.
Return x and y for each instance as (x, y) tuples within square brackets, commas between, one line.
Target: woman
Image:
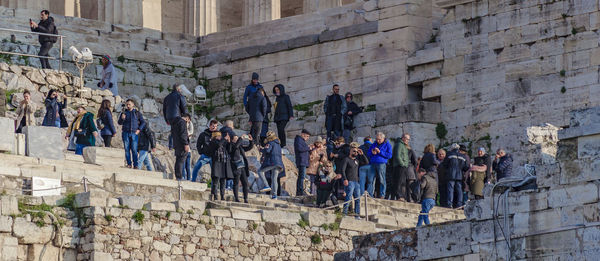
[(54, 115), (265, 123), (272, 163), (239, 164), (441, 155), (316, 159), (429, 161), (221, 164), (107, 129), (84, 130), (480, 173), (284, 111), (25, 113), (412, 174)]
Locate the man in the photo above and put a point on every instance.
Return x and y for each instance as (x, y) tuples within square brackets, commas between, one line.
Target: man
[(227, 131), (334, 107), (284, 111), (349, 171), (363, 171), (441, 171), (146, 143), (466, 174), (455, 164), (353, 110), (257, 111), (46, 26), (202, 144), (428, 192), (174, 105), (401, 163), (181, 144), (133, 122), (301, 150), (502, 164), (250, 90), (109, 77), (379, 154)]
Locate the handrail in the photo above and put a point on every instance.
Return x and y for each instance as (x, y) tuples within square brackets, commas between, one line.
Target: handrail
[(60, 37)]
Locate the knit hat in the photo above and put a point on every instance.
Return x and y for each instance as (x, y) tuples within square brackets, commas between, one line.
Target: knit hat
[(319, 140), (463, 147), (107, 57), (254, 76)]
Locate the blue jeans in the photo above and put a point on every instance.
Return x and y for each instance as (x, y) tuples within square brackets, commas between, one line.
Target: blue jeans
[(57, 124), (201, 161), (229, 184), (363, 173), (352, 190), (274, 174), (130, 142), (300, 181), (377, 169), (187, 169), (426, 205), (144, 159), (454, 188), (79, 149)]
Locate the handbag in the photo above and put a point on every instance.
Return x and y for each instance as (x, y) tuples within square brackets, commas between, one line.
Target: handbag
[(72, 146), (99, 123)]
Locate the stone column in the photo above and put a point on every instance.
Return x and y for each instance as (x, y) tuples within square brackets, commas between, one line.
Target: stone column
[(258, 11), (123, 11), (317, 5), (200, 17)]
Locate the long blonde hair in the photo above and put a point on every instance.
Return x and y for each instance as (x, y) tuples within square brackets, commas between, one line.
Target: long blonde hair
[(429, 148)]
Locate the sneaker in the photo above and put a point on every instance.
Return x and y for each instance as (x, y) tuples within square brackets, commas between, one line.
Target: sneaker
[(265, 189), (357, 218), (273, 197)]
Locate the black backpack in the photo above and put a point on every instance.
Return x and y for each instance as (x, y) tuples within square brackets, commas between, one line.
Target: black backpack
[(415, 190), (54, 39)]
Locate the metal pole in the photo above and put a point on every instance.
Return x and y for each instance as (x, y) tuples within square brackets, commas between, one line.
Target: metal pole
[(180, 190), (61, 54), (85, 186), (366, 207)]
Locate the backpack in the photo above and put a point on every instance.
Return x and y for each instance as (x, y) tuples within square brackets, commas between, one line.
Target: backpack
[(348, 122), (415, 190), (54, 39)]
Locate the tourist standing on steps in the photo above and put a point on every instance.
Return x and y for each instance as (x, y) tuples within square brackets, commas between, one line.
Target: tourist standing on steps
[(441, 175), (250, 90), (502, 164), (363, 171), (317, 158), (349, 171), (257, 112), (146, 144), (301, 150), (455, 164), (239, 164), (379, 154), (221, 164), (284, 112), (109, 76), (481, 173), (84, 129), (181, 144), (46, 26), (106, 123), (334, 107), (174, 105), (187, 168), (202, 146), (265, 124), (25, 116), (352, 111), (54, 110), (428, 190), (227, 130), (429, 162), (466, 174), (133, 122), (400, 164), (272, 163)]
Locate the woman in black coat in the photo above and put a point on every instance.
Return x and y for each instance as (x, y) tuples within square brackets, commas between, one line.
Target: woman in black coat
[(284, 112), (221, 163), (239, 164)]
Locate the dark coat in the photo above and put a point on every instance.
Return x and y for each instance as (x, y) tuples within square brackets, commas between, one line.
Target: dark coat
[(503, 167), (47, 27), (429, 186), (146, 140), (272, 155), (301, 150), (349, 167), (52, 105), (429, 162), (485, 160), (249, 91), (88, 124), (133, 121), (203, 142), (221, 160), (109, 124), (334, 107), (455, 164), (180, 134), (174, 106), (238, 151), (342, 152), (283, 105), (257, 107)]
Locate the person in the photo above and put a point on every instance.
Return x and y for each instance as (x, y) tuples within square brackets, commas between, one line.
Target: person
[(363, 171), (317, 158), (352, 111), (349, 171), (334, 107), (284, 112), (428, 191), (133, 122), (257, 112), (109, 76), (174, 105), (239, 164), (46, 26), (181, 144), (441, 155), (84, 129), (455, 164), (272, 162), (219, 149), (400, 164), (107, 126), (301, 150), (146, 144), (502, 164), (379, 153), (54, 110), (187, 169), (326, 181), (429, 162), (227, 129), (202, 147), (480, 173), (25, 116), (411, 176), (265, 123), (339, 152), (251, 89), (466, 174)]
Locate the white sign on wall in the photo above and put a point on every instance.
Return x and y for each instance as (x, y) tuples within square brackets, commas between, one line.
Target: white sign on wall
[(43, 186)]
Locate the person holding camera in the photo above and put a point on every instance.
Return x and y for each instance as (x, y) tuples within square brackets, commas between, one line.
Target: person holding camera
[(221, 164), (84, 130), (317, 158), (202, 144), (25, 116), (349, 170), (109, 76), (46, 26), (239, 164), (54, 110), (133, 123), (502, 164)]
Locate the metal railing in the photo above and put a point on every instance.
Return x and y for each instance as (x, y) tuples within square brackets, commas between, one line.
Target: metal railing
[(60, 40)]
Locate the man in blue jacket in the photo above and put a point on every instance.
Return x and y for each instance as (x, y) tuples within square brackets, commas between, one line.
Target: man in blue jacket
[(251, 89), (133, 122), (455, 164), (301, 150), (257, 111), (502, 164), (379, 154)]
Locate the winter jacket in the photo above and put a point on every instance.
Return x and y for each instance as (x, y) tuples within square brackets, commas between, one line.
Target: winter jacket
[(203, 141), (174, 106), (429, 162), (180, 136), (429, 186), (257, 107), (109, 77), (272, 155), (455, 164), (503, 167), (250, 90), (333, 106), (87, 123), (486, 161), (221, 159), (301, 150), (237, 152), (365, 147), (342, 152), (400, 157), (349, 167), (383, 156), (25, 111), (53, 110), (317, 157), (351, 107), (133, 121), (109, 124), (283, 105), (47, 27), (146, 140)]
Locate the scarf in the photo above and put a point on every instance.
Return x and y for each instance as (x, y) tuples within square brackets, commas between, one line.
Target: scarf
[(77, 122)]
